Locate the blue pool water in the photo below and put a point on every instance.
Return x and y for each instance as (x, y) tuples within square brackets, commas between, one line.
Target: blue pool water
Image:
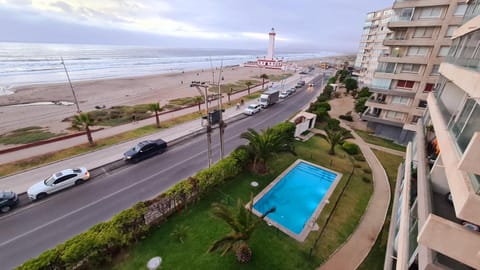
[(296, 196)]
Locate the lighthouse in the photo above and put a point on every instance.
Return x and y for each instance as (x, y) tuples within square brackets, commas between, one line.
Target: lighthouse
[(269, 61), (271, 44)]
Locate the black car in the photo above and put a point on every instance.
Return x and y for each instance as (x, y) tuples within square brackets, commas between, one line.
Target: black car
[(145, 150), (8, 200)]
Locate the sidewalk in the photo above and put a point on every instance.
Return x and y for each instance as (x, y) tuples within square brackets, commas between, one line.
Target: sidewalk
[(111, 131), (352, 253), (20, 182)]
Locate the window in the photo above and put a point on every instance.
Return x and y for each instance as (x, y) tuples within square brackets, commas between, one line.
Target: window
[(460, 11), (417, 51), (435, 70), (423, 32), (395, 115), (401, 100), (431, 12), (405, 84), (429, 87), (411, 68), (443, 51), (422, 104), (450, 30), (415, 119)]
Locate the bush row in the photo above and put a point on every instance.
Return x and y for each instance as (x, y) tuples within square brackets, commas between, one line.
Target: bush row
[(96, 246)]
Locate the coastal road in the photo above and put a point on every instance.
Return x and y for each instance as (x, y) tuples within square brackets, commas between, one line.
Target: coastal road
[(30, 230)]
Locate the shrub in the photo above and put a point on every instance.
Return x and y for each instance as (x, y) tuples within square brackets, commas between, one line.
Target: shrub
[(287, 129), (367, 170), (333, 124), (364, 92), (350, 84), (322, 98), (346, 117), (365, 179), (351, 148), (359, 157), (337, 94)]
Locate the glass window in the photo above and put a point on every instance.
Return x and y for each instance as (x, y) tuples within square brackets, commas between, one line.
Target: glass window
[(422, 104), (429, 87), (435, 69), (463, 117), (431, 12), (395, 115), (417, 51), (405, 84), (460, 11), (400, 100), (443, 51), (450, 30), (423, 32), (471, 126), (411, 68)]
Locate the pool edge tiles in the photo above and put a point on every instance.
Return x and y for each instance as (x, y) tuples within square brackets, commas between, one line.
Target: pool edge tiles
[(310, 222)]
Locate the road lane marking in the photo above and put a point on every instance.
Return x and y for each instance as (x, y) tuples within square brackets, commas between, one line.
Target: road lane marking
[(95, 202)]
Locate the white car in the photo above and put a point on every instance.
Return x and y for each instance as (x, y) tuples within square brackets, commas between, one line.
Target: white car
[(57, 182), (283, 94), (252, 109)]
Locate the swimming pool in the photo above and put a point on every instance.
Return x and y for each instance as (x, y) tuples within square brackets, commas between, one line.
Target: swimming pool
[(298, 195)]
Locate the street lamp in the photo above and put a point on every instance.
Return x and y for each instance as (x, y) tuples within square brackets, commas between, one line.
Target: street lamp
[(71, 86)]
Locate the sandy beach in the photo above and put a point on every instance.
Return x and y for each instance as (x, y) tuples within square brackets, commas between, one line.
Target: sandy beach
[(109, 92)]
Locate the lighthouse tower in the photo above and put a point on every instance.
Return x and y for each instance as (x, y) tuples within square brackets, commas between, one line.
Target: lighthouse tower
[(271, 44)]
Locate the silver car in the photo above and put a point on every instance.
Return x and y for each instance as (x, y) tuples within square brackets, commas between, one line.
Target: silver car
[(252, 109)]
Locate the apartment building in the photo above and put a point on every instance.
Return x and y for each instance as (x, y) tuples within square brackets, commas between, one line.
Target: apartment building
[(409, 68), (375, 31), (435, 219)]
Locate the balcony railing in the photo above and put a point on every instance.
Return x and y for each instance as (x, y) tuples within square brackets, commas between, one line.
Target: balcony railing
[(464, 62)]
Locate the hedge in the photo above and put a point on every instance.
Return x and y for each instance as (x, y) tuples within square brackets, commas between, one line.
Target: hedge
[(351, 148), (96, 246)]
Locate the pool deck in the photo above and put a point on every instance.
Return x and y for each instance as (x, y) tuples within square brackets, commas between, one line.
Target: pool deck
[(352, 253), (311, 224)]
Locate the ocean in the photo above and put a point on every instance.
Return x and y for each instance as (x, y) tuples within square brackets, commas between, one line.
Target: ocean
[(36, 63)]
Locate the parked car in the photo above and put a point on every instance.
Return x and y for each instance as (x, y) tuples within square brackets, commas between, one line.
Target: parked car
[(284, 94), (291, 91), (58, 181), (8, 200), (145, 149), (252, 109)]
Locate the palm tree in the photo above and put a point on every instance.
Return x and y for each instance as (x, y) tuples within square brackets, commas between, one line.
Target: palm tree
[(263, 77), (248, 84), (336, 136), (242, 224), (262, 147), (84, 121), (156, 108), (198, 100)]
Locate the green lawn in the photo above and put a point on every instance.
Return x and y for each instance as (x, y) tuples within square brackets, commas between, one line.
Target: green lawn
[(271, 248), (369, 138), (26, 135), (376, 258)]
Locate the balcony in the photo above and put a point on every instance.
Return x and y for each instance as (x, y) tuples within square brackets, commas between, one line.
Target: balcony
[(462, 186), (403, 22), (392, 92), (423, 60), (409, 42), (419, 3), (451, 239), (374, 115), (465, 78), (387, 106)]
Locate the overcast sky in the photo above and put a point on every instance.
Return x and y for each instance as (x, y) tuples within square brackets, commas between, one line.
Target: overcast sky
[(308, 25)]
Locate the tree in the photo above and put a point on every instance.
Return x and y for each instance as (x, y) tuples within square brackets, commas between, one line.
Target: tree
[(263, 77), (198, 100), (242, 223), (156, 108), (364, 92), (84, 121), (248, 84), (336, 136), (350, 84), (262, 147), (360, 104)]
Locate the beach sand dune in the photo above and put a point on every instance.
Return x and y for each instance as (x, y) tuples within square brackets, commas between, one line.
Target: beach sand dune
[(109, 92)]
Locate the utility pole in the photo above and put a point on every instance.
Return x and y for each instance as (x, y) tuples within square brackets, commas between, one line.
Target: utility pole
[(205, 85), (71, 86), (221, 123)]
